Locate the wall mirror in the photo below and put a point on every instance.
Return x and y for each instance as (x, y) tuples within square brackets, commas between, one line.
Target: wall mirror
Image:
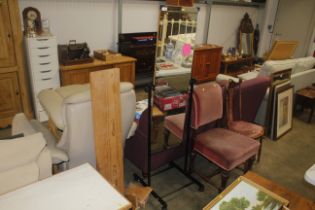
[(246, 37), (175, 41)]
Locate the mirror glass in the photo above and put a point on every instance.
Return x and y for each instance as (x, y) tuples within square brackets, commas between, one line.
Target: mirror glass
[(246, 44), (246, 33), (175, 42)]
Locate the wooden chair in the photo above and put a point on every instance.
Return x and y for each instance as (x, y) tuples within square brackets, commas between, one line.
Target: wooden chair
[(234, 102), (221, 146)]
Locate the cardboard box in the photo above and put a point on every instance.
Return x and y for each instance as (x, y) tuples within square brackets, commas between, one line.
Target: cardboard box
[(171, 102)]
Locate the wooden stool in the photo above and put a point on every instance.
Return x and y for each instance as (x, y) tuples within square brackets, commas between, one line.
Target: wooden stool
[(306, 98)]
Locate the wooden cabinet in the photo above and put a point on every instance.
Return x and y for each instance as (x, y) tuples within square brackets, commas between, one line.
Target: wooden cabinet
[(10, 95), (206, 62), (14, 95), (79, 74), (7, 55)]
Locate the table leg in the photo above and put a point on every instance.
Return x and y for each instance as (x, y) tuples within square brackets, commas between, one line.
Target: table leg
[(311, 114)]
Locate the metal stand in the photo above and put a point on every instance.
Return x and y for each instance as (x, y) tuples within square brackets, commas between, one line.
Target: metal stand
[(186, 135)]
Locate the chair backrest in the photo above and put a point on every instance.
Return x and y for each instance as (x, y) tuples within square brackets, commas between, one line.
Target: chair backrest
[(207, 104), (244, 104)]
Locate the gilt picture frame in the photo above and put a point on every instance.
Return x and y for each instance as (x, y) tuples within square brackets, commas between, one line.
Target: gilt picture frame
[(284, 111), (246, 195)]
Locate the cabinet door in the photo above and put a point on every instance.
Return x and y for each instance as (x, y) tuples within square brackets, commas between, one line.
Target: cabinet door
[(7, 55), (10, 96), (127, 72), (206, 64)]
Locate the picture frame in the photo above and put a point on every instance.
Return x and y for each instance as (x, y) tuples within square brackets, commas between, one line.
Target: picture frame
[(248, 194), (283, 110)]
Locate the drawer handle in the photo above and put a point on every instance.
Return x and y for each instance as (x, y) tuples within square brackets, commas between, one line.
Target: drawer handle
[(42, 48), (46, 79), (45, 71), (43, 56), (42, 39), (44, 63)]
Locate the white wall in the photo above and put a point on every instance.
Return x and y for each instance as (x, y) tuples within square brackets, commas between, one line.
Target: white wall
[(267, 26), (225, 21), (312, 44), (94, 21)]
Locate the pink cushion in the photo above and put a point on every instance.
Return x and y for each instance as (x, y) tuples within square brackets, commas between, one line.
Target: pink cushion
[(225, 148), (207, 104), (175, 124), (247, 129)]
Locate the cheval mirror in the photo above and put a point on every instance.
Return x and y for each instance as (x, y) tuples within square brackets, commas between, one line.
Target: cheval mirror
[(175, 43), (246, 37)]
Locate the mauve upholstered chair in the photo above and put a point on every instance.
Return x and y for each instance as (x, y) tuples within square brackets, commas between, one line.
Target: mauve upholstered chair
[(221, 146), (243, 100)]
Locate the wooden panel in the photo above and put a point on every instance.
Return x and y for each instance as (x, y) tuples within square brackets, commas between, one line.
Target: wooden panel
[(9, 97), (7, 55), (127, 72), (183, 3), (105, 94), (206, 63), (75, 77)]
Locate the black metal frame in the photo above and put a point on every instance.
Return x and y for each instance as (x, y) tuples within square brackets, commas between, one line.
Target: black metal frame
[(186, 137)]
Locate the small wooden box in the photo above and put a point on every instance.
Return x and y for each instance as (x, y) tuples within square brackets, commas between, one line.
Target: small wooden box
[(184, 3), (207, 62), (106, 55)]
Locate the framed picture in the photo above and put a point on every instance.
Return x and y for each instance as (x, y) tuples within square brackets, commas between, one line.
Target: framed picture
[(244, 194), (284, 110)]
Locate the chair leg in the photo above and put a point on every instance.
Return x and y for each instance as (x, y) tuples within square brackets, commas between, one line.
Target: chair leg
[(260, 148), (224, 179), (249, 164), (166, 137)]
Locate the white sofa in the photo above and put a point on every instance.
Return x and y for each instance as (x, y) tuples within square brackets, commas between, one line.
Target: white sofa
[(303, 75), (69, 108), (23, 161)]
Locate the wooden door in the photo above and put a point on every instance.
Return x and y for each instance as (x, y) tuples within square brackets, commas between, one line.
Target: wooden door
[(295, 21), (10, 95), (7, 55)]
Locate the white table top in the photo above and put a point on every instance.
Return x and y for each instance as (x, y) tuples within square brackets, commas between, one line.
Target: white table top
[(81, 188)]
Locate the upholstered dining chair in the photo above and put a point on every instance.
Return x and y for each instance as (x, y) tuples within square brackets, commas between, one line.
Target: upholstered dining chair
[(242, 101), (223, 147)]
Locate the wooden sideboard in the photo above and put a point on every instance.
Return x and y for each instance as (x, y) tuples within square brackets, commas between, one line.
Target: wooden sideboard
[(79, 74)]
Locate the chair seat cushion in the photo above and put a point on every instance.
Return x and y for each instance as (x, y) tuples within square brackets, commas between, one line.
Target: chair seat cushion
[(175, 124), (225, 148), (247, 129)]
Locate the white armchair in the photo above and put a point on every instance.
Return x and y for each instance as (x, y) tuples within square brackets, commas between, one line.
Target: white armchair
[(69, 108), (23, 161)]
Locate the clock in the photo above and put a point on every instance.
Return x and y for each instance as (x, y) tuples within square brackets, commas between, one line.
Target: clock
[(32, 22)]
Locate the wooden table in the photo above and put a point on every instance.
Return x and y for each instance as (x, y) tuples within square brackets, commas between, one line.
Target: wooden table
[(79, 188), (237, 66), (297, 202), (306, 98), (79, 73)]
